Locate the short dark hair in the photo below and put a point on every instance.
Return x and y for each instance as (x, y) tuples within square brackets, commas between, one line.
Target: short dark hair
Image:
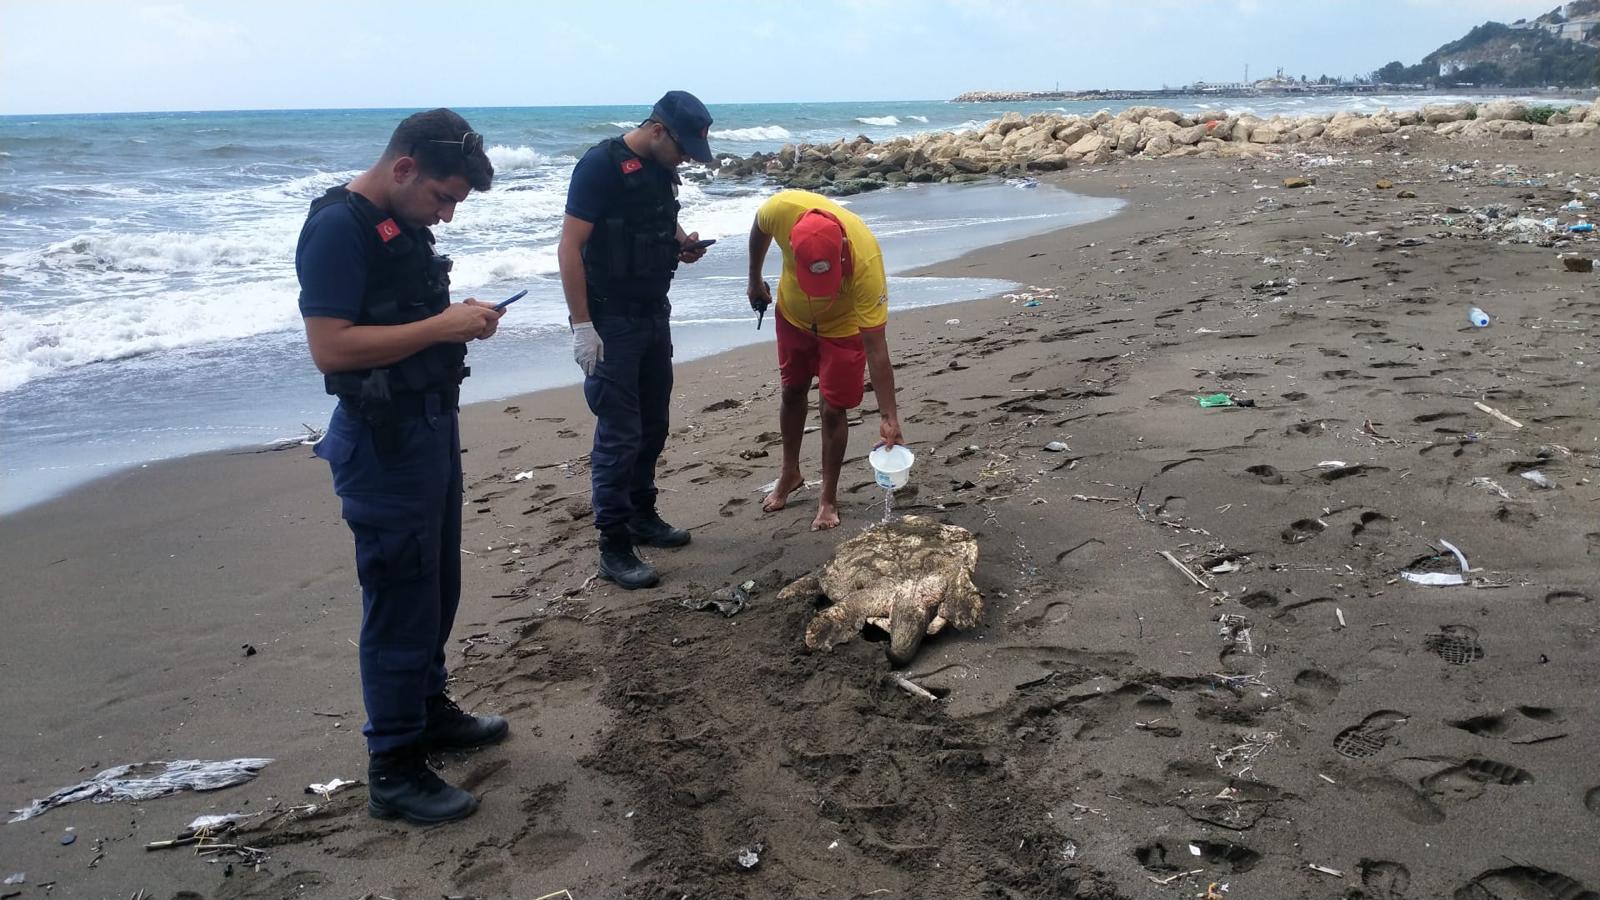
[(434, 139)]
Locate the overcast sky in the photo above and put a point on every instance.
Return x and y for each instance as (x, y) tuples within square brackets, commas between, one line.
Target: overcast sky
[(92, 56)]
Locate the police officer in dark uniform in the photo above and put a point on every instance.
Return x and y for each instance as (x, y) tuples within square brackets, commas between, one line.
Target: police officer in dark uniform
[(620, 245), (391, 345)]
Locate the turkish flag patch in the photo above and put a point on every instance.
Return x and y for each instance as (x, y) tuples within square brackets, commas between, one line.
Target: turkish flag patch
[(630, 166), (388, 230)]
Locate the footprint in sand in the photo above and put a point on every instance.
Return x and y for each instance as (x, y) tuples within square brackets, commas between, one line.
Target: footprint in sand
[(1519, 725), (1167, 855), (1519, 882), (731, 508), (1409, 804), (1371, 736), (1316, 689), (1455, 644), (1259, 600), (1460, 781), (1591, 800), (1373, 524), (1302, 530), (1383, 880), (1265, 474), (1567, 598)]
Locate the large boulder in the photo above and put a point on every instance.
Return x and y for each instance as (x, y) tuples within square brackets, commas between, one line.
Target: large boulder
[(1243, 128), (1453, 127), (1140, 113), (1508, 110), (1050, 162), (1087, 145), (1189, 136), (1070, 132), (1349, 128), (1006, 124), (1265, 134), (1516, 131), (1160, 145), (1310, 130)]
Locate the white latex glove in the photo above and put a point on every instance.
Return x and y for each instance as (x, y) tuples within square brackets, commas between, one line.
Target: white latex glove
[(587, 348)]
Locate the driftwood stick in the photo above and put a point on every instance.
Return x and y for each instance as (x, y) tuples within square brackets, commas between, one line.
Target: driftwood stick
[(911, 687), (1497, 414)]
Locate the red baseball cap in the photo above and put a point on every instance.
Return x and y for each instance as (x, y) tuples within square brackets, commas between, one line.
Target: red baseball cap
[(820, 257)]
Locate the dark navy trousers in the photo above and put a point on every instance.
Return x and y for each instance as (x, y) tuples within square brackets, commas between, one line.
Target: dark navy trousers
[(628, 393), (403, 505)]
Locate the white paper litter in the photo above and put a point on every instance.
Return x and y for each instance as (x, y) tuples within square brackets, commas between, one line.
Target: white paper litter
[(523, 476), (1331, 464), (1441, 579), (213, 822), (1434, 579), (146, 781), (952, 321), (1538, 478), (329, 789), (18, 878)]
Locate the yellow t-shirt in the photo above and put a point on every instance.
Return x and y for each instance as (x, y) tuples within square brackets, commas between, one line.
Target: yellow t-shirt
[(863, 301)]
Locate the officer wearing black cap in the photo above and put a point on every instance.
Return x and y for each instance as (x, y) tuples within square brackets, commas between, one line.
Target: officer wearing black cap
[(620, 245), (390, 344)]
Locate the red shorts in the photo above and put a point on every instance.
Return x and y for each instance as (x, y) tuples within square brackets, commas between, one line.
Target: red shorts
[(838, 364)]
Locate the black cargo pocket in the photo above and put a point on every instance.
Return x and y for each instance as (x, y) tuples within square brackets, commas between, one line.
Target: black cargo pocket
[(385, 557)]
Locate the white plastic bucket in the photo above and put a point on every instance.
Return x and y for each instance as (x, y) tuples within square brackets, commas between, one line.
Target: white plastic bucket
[(892, 465)]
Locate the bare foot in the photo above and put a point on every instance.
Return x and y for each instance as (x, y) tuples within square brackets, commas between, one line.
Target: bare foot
[(827, 517), (780, 494)]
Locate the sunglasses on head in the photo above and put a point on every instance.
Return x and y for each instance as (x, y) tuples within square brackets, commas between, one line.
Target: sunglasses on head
[(471, 142)]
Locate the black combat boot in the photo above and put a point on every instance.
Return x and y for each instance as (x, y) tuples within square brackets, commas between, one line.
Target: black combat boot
[(648, 530), (450, 728), (620, 564), (401, 786)]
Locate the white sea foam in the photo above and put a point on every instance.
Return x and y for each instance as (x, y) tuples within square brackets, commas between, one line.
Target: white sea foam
[(168, 251), (879, 120), (36, 343), (922, 119), (515, 159), (755, 133)]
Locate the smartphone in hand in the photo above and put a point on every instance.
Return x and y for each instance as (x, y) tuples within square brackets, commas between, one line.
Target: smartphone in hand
[(702, 244), (510, 300)]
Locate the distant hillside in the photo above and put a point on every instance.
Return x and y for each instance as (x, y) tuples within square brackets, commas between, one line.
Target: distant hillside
[(1560, 48)]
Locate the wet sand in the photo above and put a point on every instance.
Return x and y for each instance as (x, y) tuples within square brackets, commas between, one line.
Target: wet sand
[(1113, 729)]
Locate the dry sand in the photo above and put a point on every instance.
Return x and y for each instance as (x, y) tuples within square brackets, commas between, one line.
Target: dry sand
[(1106, 733)]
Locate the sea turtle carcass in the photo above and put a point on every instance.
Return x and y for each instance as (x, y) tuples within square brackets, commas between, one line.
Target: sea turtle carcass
[(910, 577)]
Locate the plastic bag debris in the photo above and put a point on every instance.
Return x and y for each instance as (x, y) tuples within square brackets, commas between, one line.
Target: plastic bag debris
[(1441, 579), (1211, 400), (730, 601), (217, 822), (326, 791), (749, 857), (1538, 478), (146, 781)]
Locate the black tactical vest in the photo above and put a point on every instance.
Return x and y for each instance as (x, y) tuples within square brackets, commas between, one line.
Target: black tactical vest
[(633, 250), (406, 282)]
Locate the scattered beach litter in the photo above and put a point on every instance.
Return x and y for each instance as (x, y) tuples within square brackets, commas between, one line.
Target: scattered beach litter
[(146, 781), (328, 789), (1441, 579), (1211, 400), (1057, 447), (1539, 479), (749, 857), (730, 601)]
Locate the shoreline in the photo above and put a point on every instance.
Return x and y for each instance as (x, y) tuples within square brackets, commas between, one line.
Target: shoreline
[(1092, 728)]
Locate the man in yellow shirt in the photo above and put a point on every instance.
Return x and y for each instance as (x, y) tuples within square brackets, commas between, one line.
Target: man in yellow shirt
[(833, 306)]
